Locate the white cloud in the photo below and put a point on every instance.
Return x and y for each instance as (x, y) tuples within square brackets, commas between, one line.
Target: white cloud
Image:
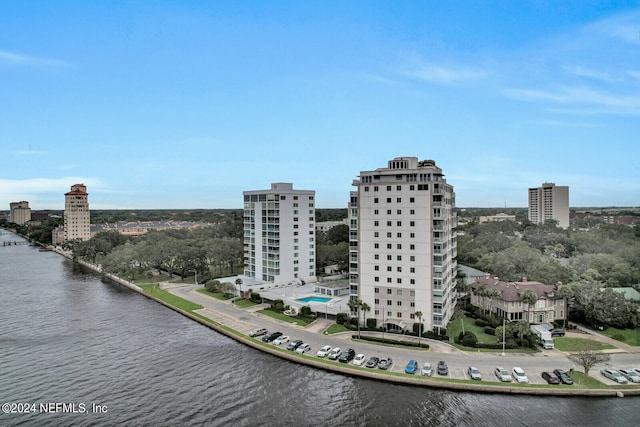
[(586, 72), (12, 58), (444, 75)]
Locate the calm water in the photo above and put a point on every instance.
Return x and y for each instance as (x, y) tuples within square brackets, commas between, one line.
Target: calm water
[(68, 338)]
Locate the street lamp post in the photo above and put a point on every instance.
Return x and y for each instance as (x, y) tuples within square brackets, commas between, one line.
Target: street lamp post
[(504, 330)]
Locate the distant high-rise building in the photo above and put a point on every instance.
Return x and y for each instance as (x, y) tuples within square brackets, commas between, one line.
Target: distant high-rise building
[(279, 234), (402, 247), (77, 224), (549, 202), (19, 212)]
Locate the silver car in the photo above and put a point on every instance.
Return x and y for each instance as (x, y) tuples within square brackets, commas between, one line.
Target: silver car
[(474, 373), (502, 374), (630, 374), (426, 369), (614, 375)]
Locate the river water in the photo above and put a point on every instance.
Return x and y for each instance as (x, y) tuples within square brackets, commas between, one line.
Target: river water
[(78, 351)]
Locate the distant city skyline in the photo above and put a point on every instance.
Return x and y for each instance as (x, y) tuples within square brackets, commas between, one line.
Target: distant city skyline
[(185, 105)]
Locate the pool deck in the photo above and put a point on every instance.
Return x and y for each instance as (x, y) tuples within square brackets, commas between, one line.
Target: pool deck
[(289, 294)]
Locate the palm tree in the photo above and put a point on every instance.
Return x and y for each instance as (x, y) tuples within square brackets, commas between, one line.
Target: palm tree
[(239, 283), (529, 297), (565, 292), (418, 314), (354, 305), (481, 291), (364, 307)]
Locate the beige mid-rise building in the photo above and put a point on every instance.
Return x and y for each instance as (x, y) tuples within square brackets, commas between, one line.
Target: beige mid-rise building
[(402, 247), (77, 221), (19, 212), (549, 202)]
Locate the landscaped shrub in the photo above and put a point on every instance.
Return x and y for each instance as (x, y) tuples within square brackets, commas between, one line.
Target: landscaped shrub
[(469, 339), (372, 323), (255, 297), (305, 311), (342, 318), (278, 306), (489, 330), (392, 341), (482, 323)]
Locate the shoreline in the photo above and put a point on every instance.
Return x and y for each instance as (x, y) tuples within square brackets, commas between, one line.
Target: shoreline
[(417, 381)]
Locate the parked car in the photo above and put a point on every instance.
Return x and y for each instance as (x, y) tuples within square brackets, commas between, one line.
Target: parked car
[(257, 332), (347, 355), (293, 345), (630, 374), (385, 363), (474, 373), (550, 378), (272, 336), (563, 376), (411, 367), (502, 374), (426, 369), (519, 375), (334, 353), (281, 339), (372, 362), (557, 332), (443, 369), (359, 360), (614, 375), (304, 347), (324, 351)]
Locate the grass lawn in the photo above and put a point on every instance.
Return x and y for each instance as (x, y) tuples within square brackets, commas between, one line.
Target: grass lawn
[(284, 317), (582, 381), (170, 298), (627, 336), (575, 344), (218, 295), (455, 327), (245, 303), (335, 328)]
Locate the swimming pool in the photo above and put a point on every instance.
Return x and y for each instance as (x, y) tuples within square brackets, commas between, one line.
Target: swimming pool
[(314, 299)]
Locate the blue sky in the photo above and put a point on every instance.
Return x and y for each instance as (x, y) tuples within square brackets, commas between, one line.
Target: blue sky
[(185, 104)]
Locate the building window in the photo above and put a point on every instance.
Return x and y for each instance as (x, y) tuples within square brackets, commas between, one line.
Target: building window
[(376, 267), (399, 303), (412, 281), (376, 223), (388, 268), (366, 189), (376, 234), (399, 246), (399, 200), (376, 301), (376, 290), (389, 280), (412, 247), (412, 199), (388, 223), (388, 257), (398, 188), (388, 188), (376, 256), (389, 245), (389, 291), (399, 314), (389, 235), (389, 302), (388, 199), (399, 235), (375, 200)]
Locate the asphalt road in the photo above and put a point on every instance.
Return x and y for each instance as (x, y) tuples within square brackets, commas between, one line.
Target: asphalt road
[(246, 319)]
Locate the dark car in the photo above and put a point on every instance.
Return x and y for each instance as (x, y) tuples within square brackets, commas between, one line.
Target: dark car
[(563, 376), (443, 369), (557, 332), (385, 363), (272, 336), (347, 355), (550, 378), (372, 362), (293, 345)]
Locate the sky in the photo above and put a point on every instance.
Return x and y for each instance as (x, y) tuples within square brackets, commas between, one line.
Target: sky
[(185, 104)]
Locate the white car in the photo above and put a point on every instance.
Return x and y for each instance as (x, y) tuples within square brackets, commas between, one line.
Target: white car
[(502, 374), (324, 351), (519, 375), (426, 369), (359, 359), (303, 348), (281, 340), (334, 353)]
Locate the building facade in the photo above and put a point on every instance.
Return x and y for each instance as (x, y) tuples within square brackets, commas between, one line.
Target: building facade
[(77, 220), (279, 234), (509, 305), (402, 245), (19, 212), (549, 202)]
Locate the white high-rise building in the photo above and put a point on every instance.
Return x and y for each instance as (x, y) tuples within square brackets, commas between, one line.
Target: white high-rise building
[(402, 244), (549, 202), (19, 212), (77, 223), (279, 234)]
